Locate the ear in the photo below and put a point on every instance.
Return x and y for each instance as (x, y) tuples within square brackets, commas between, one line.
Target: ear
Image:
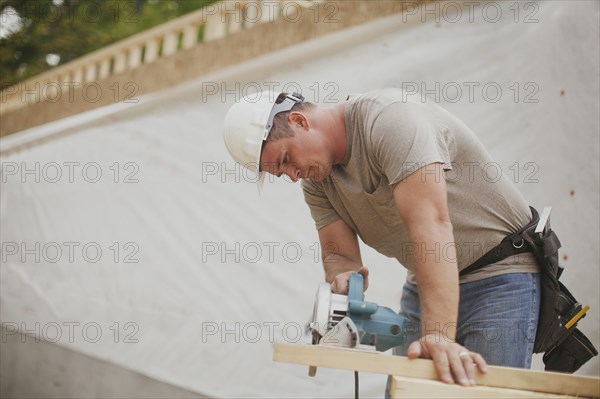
[(298, 119)]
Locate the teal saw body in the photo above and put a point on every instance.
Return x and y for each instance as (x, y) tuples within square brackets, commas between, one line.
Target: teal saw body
[(349, 321)]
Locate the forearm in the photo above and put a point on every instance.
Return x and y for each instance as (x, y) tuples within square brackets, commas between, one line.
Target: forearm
[(437, 279), (421, 200)]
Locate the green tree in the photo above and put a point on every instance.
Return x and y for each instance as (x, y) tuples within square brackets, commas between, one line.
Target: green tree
[(72, 28)]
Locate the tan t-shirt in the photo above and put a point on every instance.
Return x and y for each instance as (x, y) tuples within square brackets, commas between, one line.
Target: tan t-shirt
[(389, 138)]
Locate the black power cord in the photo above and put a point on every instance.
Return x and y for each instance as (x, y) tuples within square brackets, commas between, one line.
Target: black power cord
[(356, 385)]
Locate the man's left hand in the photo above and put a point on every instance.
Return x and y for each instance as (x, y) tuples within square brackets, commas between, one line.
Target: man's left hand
[(453, 362)]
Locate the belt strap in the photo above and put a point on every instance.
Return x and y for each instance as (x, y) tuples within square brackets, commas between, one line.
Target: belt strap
[(512, 244)]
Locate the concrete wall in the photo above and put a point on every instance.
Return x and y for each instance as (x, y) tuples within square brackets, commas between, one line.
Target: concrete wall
[(31, 368)]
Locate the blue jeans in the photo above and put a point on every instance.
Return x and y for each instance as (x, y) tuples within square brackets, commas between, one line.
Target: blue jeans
[(497, 318)]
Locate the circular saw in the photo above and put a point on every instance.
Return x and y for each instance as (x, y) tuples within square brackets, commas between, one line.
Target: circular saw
[(349, 321)]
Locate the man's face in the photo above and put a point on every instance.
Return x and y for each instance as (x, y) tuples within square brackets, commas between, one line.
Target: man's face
[(303, 156)]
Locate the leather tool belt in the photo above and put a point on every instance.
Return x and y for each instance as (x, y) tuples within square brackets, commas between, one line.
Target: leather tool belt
[(564, 346)]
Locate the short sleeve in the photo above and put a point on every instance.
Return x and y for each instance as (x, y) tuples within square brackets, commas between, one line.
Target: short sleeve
[(320, 207), (405, 138)]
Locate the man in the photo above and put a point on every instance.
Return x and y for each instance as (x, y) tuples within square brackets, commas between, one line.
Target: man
[(412, 181)]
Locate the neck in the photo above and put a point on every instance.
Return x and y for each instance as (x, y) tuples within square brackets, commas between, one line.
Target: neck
[(335, 121)]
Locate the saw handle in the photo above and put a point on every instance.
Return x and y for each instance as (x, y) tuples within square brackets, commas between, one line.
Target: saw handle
[(355, 296), (355, 287)]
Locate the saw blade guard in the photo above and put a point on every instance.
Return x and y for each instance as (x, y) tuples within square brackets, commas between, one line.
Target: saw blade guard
[(329, 310)]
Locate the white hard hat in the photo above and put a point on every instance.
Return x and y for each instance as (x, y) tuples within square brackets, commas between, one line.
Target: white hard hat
[(248, 123)]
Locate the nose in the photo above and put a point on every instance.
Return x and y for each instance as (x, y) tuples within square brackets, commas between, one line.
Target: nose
[(293, 173)]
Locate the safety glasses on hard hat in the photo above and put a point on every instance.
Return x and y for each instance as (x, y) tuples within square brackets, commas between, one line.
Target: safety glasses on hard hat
[(282, 104)]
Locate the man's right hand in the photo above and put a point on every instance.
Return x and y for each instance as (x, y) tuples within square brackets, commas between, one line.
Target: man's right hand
[(341, 281)]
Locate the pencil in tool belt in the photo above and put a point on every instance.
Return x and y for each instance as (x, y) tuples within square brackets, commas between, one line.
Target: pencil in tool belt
[(576, 318)]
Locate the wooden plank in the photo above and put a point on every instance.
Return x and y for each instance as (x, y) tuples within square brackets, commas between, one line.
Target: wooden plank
[(405, 387), (375, 362)]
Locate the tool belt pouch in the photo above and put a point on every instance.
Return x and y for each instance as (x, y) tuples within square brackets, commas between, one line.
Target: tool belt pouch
[(567, 357), (566, 349)]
